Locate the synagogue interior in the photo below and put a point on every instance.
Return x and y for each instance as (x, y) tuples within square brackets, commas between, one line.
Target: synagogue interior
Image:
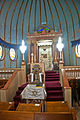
[(40, 59)]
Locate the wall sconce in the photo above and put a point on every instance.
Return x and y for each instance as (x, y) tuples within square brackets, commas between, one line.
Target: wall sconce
[(22, 49), (60, 46)]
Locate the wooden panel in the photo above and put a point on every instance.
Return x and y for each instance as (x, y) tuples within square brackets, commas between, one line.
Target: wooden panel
[(56, 107), (4, 105), (29, 107), (11, 107), (53, 116), (16, 115)]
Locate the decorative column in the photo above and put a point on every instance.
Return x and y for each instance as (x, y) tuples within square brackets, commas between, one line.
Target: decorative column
[(61, 62), (35, 48), (28, 52), (37, 53)]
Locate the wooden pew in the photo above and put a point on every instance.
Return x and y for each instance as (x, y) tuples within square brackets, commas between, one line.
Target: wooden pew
[(16, 115), (56, 107), (4, 105), (11, 107), (53, 116), (20, 115), (29, 107)]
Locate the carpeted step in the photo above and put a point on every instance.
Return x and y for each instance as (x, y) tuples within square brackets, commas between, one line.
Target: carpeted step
[(54, 92), (53, 86), (53, 76), (48, 72), (51, 79), (17, 98), (52, 83), (55, 98), (18, 92), (22, 87)]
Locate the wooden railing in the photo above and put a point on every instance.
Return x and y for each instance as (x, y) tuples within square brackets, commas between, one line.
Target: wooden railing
[(72, 71), (67, 73), (66, 87), (16, 78)]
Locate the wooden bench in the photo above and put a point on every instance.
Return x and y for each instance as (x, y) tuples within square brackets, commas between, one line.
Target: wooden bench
[(11, 107), (4, 105), (16, 115), (29, 107), (53, 116), (56, 107), (20, 115)]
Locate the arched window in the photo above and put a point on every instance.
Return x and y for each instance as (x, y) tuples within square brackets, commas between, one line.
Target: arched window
[(77, 50), (12, 54), (2, 53)]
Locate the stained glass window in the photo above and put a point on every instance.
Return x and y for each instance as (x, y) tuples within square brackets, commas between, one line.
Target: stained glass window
[(44, 27), (77, 50), (1, 52), (12, 54)]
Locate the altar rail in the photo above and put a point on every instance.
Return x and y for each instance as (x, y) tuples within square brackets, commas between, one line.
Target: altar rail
[(68, 72), (66, 87), (72, 71), (15, 78)]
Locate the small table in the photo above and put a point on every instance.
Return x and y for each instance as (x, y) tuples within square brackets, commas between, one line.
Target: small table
[(33, 93)]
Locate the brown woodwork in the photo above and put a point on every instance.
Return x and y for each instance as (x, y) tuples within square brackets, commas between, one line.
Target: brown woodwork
[(36, 37), (29, 107), (54, 116), (4, 105), (16, 115), (57, 107), (43, 36)]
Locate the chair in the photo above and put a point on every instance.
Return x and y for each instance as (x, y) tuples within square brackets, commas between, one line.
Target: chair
[(37, 73)]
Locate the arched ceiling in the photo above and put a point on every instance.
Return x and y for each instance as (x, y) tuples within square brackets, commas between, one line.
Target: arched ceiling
[(17, 17)]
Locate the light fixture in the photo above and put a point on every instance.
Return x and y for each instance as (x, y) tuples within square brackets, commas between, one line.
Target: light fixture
[(60, 46), (23, 49)]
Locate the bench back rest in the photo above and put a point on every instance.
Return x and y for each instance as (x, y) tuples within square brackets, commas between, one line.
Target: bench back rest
[(29, 107), (56, 107)]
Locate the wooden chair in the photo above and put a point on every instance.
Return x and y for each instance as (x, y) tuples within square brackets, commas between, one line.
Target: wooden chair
[(37, 73)]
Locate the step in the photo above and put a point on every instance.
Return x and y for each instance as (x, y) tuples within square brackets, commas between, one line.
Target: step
[(50, 71), (54, 88), (22, 87), (52, 76), (17, 98), (54, 92), (18, 92), (52, 83), (52, 79), (55, 98)]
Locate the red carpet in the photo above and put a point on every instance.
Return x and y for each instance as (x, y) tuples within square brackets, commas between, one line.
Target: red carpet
[(17, 97), (53, 86)]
